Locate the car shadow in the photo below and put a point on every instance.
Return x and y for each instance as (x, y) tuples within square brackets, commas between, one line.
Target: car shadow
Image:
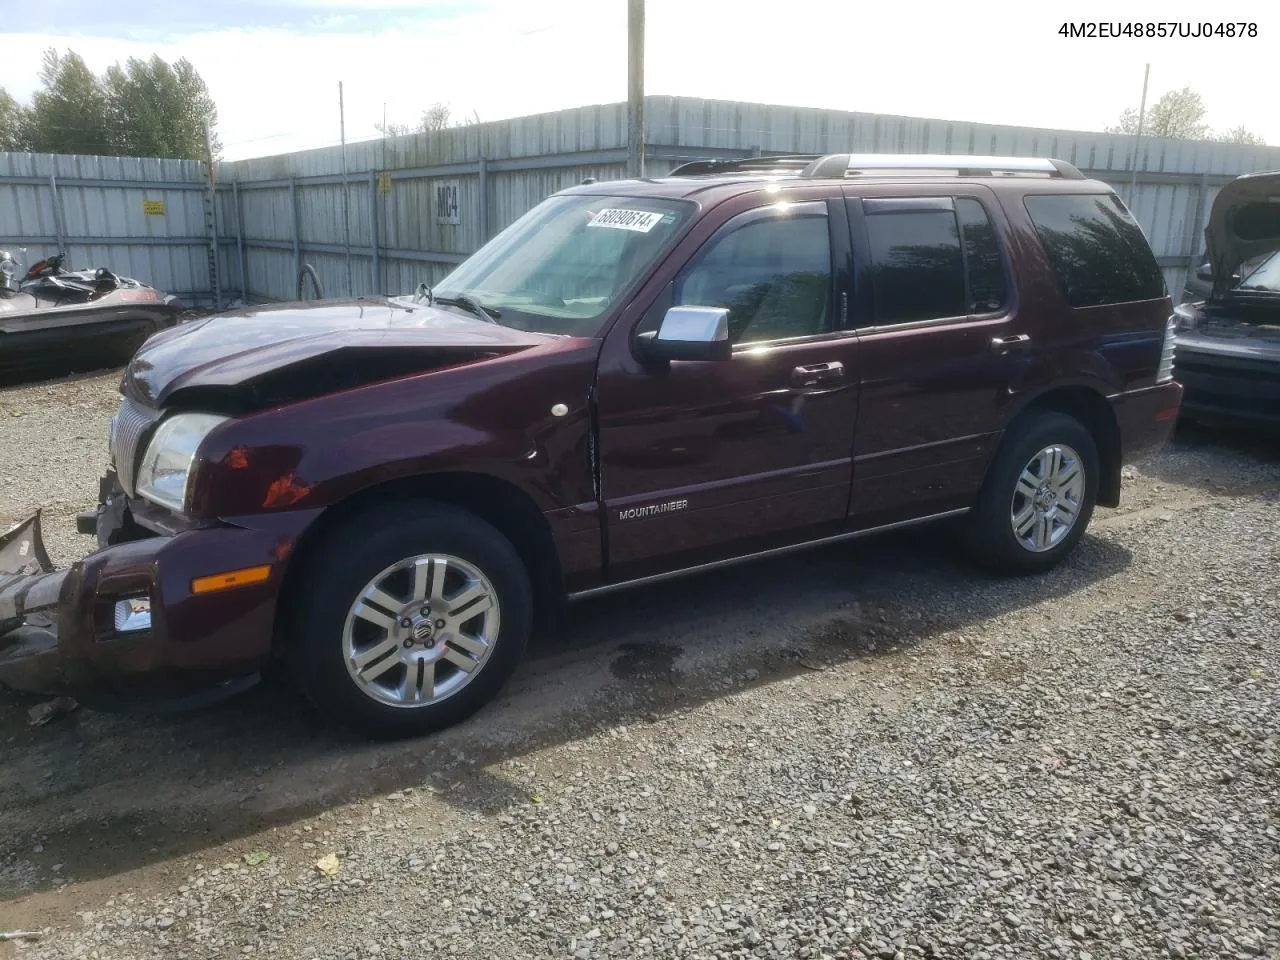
[(100, 794)]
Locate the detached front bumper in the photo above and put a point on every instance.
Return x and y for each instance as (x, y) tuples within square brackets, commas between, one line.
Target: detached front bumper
[(201, 641)]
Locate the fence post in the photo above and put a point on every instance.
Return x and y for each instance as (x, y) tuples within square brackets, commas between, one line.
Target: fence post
[(1197, 223), (484, 199), (376, 266), (57, 211), (297, 238), (244, 262)]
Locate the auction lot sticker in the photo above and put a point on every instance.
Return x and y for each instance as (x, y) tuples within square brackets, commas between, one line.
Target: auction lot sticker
[(641, 221)]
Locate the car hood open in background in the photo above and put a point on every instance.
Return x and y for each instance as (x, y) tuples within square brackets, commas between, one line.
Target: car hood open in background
[(321, 347), (1243, 224)]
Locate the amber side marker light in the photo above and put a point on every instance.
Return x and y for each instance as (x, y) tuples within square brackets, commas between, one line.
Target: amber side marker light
[(232, 578)]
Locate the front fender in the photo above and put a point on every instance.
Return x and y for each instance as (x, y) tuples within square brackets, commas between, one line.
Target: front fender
[(493, 417)]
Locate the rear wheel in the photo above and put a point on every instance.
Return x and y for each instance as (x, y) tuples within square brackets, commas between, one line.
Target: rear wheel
[(1038, 497), (409, 618)]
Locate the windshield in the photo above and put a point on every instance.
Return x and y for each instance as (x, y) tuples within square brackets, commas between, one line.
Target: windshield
[(1265, 277), (560, 267)]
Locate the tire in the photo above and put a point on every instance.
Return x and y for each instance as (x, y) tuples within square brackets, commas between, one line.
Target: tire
[(990, 528), (343, 647)]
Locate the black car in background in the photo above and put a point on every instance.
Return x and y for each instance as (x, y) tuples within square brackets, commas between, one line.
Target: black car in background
[(1227, 353)]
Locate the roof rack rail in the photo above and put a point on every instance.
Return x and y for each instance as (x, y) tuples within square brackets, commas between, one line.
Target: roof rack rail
[(781, 163), (842, 165), (938, 164)]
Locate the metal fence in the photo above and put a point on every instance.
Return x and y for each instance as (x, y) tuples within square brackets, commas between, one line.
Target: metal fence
[(417, 205), (143, 218)]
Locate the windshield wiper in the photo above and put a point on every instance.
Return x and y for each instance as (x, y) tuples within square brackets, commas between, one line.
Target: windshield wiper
[(471, 304)]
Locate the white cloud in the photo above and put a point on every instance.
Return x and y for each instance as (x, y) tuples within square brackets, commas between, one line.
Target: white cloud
[(1002, 62)]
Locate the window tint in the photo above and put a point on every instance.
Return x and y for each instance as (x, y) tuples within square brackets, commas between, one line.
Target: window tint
[(773, 274), (987, 290), (1097, 248), (916, 266)]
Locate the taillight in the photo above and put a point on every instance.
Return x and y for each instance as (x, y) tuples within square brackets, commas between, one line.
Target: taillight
[(1164, 372)]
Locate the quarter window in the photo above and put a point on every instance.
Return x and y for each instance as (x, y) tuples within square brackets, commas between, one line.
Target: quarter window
[(1097, 249), (773, 273)]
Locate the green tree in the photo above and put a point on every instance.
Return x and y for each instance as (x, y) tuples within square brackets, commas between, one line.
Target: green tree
[(69, 115), (1180, 115), (13, 123), (158, 110), (1241, 135), (143, 108), (394, 129), (438, 116)]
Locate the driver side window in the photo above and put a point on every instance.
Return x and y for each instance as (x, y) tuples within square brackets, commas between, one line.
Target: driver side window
[(771, 270)]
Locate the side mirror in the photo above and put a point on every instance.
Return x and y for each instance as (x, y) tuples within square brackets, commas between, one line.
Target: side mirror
[(688, 333), (1205, 272)]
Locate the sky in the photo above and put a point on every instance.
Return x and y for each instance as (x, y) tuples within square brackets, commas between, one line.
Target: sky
[(273, 66)]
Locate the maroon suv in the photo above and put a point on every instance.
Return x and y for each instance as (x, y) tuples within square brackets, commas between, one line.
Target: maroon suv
[(635, 380)]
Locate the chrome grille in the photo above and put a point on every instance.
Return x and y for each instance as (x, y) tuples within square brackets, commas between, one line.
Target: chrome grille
[(133, 424)]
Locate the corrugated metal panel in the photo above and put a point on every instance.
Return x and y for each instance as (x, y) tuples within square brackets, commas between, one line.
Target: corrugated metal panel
[(557, 150), (167, 250)]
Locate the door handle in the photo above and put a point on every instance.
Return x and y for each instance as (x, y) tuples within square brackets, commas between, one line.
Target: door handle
[(815, 373), (1004, 345)]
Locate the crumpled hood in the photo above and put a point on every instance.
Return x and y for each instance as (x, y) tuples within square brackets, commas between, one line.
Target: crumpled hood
[(231, 349), (1244, 223)]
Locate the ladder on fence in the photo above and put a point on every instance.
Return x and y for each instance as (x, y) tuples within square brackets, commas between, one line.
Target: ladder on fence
[(211, 219), (211, 230)]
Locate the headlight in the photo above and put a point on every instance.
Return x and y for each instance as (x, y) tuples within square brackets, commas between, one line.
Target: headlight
[(166, 466), (1186, 317)]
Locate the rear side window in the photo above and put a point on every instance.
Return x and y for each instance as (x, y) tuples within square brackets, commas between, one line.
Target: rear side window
[(917, 269), (933, 258), (985, 270), (1097, 249)]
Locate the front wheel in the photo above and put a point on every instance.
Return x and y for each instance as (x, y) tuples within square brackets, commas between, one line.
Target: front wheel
[(1038, 497), (409, 618)]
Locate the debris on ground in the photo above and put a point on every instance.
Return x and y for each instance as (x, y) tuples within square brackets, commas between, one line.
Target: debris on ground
[(20, 935), (50, 710), (328, 865)]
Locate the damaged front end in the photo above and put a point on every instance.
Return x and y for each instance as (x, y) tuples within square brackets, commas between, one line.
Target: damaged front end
[(125, 628), (30, 595)]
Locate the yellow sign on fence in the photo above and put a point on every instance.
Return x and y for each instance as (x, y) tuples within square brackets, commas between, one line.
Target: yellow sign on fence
[(384, 183), (153, 208)]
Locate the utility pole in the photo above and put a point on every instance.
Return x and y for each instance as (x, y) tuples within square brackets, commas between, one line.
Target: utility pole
[(346, 215), (635, 88), (1137, 138)]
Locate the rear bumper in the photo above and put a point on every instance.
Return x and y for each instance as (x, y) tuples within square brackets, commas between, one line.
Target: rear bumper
[(1146, 418), (197, 646), (1228, 387)]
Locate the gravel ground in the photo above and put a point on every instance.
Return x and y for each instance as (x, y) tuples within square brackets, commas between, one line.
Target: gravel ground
[(868, 751)]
